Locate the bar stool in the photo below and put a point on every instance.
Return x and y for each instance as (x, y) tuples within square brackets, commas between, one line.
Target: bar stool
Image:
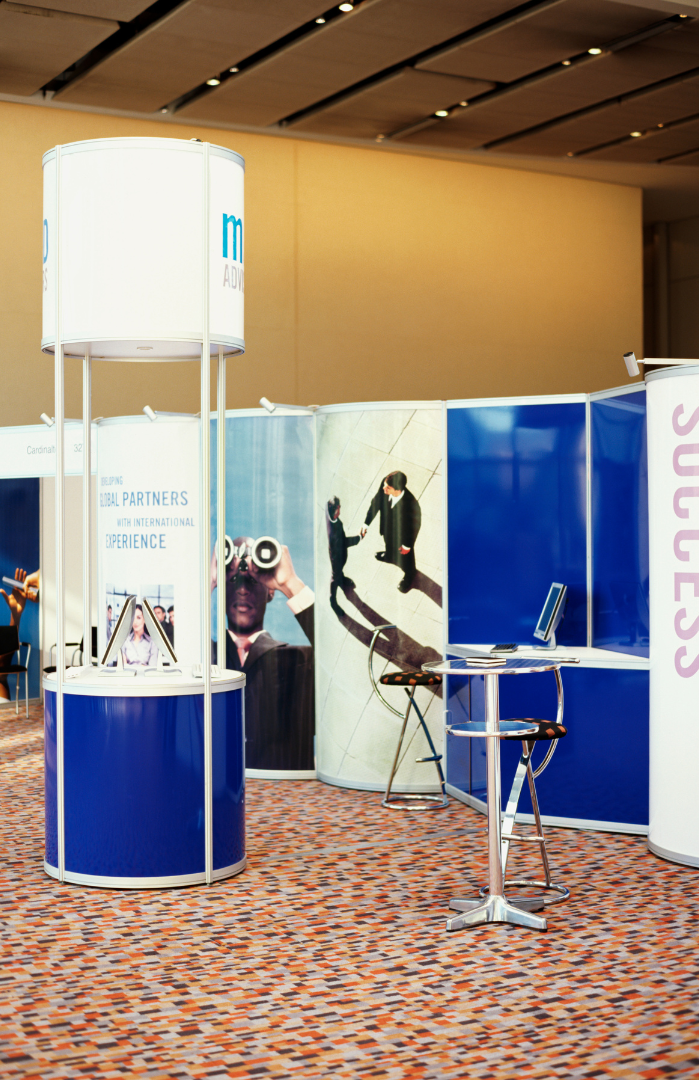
[(549, 731), (409, 680)]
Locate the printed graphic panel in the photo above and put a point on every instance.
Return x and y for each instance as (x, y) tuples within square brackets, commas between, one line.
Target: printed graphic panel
[(378, 470), (19, 549)]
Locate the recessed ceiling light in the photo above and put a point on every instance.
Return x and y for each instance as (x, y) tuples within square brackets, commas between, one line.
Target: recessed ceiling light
[(570, 154), (164, 110), (233, 70), (463, 104), (661, 125), (346, 7), (213, 82), (442, 112), (635, 134), (320, 21), (380, 138), (566, 63), (594, 52)]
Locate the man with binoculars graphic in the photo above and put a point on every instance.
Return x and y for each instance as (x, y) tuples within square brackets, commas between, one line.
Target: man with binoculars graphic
[(279, 692)]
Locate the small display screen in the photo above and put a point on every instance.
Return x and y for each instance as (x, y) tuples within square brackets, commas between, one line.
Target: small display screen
[(552, 601)]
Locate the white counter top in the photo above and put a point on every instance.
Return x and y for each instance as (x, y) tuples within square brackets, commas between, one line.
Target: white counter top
[(589, 658), (147, 682)]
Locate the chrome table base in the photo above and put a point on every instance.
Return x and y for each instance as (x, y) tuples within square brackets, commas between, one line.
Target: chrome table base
[(495, 909)]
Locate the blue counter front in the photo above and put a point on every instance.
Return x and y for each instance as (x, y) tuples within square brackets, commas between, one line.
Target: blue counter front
[(134, 780)]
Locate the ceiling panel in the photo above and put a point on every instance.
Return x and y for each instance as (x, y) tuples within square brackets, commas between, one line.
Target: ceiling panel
[(666, 142), (615, 121), (123, 10), (688, 159), (195, 42), (372, 38), (405, 97), (35, 48), (556, 33), (574, 88)]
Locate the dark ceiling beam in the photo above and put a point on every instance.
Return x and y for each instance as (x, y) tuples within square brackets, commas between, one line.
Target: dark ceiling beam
[(554, 71), (485, 30), (148, 20), (658, 129)]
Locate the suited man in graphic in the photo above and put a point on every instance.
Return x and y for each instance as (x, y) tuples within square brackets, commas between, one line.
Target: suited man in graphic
[(338, 544), (399, 523), (279, 689)]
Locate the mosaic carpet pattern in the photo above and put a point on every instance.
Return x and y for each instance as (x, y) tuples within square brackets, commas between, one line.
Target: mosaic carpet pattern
[(329, 956)]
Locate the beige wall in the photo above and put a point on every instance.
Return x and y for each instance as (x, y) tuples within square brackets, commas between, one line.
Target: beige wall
[(683, 290), (370, 275)]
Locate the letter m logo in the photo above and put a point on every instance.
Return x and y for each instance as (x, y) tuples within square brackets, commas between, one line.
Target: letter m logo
[(232, 228)]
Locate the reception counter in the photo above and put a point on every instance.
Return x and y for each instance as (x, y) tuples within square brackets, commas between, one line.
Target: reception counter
[(134, 779)]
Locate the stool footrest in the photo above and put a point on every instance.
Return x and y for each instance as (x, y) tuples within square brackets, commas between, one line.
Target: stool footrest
[(526, 839), (435, 757)]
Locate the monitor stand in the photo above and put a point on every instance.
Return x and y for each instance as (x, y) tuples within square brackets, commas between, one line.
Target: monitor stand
[(550, 644)]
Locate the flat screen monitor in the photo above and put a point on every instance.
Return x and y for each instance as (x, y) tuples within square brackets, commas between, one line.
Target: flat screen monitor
[(120, 632), (157, 633), (552, 612)]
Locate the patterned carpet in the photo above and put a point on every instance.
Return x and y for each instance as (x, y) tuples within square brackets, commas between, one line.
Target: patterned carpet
[(329, 957)]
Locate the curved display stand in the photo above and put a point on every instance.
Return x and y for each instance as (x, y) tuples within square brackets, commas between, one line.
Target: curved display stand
[(134, 765), (143, 261), (673, 479)]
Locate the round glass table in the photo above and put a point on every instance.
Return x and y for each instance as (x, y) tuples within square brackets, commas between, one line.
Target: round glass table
[(496, 907)]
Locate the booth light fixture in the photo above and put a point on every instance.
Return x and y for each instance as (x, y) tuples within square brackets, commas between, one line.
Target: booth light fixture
[(631, 364), (594, 52), (213, 82), (48, 420), (150, 413), (272, 406)]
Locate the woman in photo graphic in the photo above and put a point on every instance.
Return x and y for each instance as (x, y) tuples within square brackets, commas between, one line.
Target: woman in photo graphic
[(139, 650)]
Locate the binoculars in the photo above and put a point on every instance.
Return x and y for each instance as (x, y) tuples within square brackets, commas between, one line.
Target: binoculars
[(265, 553)]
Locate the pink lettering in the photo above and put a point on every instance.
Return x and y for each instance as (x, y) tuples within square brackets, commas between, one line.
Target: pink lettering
[(684, 493), (681, 451), (691, 669), (686, 579), (684, 429), (685, 635)]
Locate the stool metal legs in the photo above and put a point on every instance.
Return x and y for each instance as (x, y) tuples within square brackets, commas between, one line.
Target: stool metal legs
[(495, 907), (405, 801)]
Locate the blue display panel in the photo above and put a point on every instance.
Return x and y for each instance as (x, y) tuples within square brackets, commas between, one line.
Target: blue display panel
[(50, 781), (620, 617), (228, 778), (599, 771), (134, 784), (19, 547), (517, 519)]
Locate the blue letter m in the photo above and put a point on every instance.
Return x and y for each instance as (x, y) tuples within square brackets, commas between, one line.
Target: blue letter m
[(237, 223)]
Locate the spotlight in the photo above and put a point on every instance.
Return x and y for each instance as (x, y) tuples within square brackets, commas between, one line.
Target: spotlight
[(635, 134), (48, 420), (661, 125), (570, 153), (267, 404), (442, 112), (346, 7), (566, 63), (380, 138), (631, 364), (213, 82), (164, 110), (233, 70), (149, 412), (320, 21), (463, 104), (594, 52)]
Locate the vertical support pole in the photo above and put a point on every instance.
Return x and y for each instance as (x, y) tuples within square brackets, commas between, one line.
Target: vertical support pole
[(59, 410), (589, 569), (492, 750), (205, 504), (221, 509), (663, 344), (87, 511)]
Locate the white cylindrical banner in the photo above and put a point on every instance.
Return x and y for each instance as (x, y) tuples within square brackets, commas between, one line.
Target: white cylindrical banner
[(148, 527), (133, 228), (673, 503)]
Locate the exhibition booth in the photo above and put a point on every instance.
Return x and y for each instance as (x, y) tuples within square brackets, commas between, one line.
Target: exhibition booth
[(268, 535)]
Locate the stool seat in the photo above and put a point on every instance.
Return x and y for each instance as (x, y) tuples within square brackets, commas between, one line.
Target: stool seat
[(411, 678), (548, 730)]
